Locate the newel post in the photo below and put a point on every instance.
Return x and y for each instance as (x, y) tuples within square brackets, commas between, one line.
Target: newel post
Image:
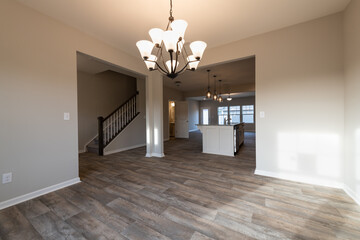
[(101, 136)]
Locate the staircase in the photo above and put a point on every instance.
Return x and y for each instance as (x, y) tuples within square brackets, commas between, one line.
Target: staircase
[(112, 125)]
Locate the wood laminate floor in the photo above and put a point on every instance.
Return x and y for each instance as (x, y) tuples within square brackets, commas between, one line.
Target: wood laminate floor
[(186, 195)]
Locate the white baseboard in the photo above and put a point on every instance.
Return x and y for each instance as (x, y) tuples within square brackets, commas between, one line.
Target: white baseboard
[(123, 149), (38, 193), (303, 179), (159, 155), (81, 151), (352, 194)]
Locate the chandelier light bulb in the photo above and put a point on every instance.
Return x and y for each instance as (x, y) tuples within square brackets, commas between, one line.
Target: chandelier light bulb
[(208, 94), (229, 98), (179, 26), (156, 35), (170, 40), (220, 99), (193, 63), (168, 65), (215, 97), (151, 62), (145, 47), (198, 48)]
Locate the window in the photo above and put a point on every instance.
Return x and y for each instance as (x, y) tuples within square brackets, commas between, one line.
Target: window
[(205, 116), (234, 114), (222, 114), (248, 113)]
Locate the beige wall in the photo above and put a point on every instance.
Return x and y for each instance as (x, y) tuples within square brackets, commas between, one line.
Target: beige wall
[(38, 84), (194, 112), (352, 98), (174, 95), (299, 86), (99, 95), (212, 106)]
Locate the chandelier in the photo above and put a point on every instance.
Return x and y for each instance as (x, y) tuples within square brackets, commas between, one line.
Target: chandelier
[(169, 49)]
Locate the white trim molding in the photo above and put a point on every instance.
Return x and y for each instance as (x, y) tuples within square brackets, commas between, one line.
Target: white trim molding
[(352, 194), (194, 130), (301, 178), (38, 193), (159, 155), (124, 149)]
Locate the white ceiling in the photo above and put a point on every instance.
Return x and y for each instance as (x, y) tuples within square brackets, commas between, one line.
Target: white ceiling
[(92, 65), (122, 23), (233, 95), (231, 73)]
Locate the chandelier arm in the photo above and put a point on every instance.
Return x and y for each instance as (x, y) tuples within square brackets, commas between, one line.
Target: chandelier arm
[(182, 70), (162, 58), (177, 56), (171, 62), (182, 54), (160, 69)]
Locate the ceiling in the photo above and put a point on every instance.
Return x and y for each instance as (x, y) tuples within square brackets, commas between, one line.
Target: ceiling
[(231, 73), (122, 23), (233, 95), (92, 65)]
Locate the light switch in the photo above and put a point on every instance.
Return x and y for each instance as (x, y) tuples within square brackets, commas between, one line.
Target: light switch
[(262, 114), (66, 116)]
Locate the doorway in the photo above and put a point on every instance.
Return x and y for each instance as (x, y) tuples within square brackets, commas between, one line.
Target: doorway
[(172, 120)]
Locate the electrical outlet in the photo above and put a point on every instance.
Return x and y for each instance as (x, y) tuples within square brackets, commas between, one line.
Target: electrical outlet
[(6, 177)]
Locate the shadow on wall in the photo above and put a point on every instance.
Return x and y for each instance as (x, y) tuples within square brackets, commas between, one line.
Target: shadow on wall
[(310, 154)]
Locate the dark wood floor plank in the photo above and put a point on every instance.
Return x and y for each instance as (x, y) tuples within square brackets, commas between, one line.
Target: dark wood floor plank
[(206, 227), (14, 225), (92, 228), (185, 195), (139, 231), (97, 209), (50, 226), (32, 208), (157, 222), (59, 205)]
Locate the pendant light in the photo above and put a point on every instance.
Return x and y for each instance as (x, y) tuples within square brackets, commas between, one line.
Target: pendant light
[(208, 94), (229, 98), (220, 99), (215, 95)]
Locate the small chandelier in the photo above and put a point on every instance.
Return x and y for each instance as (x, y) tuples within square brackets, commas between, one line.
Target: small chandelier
[(208, 93), (220, 99), (215, 95), (170, 49)]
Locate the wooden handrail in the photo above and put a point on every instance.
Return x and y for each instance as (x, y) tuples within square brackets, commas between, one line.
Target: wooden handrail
[(115, 122)]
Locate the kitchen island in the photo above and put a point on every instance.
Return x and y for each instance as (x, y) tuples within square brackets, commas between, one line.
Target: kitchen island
[(222, 139)]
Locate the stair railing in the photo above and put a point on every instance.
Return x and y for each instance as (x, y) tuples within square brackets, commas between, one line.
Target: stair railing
[(110, 126)]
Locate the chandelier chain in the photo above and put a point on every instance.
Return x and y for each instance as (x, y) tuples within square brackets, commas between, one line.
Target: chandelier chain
[(171, 9)]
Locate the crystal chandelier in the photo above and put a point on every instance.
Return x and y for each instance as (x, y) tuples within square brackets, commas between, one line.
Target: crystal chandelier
[(170, 49)]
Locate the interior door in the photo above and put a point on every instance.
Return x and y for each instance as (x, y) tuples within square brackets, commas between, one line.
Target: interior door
[(181, 120)]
